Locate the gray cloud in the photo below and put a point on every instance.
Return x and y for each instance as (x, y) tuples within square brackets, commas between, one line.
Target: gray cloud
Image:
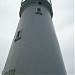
[(63, 12)]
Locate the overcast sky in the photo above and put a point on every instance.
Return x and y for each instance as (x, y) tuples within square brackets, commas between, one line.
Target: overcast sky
[(63, 20)]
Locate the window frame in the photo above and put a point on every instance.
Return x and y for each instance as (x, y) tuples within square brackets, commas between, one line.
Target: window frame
[(39, 11), (18, 35)]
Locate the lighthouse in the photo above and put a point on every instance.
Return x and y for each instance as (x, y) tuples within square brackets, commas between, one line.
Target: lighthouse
[(35, 49)]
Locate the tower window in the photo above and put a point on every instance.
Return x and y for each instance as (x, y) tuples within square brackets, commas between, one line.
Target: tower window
[(40, 3), (18, 36), (38, 11)]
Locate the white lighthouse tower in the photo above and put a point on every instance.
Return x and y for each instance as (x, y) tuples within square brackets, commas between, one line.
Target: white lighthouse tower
[(35, 49)]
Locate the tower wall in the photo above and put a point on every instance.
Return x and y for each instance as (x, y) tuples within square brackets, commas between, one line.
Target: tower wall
[(35, 49)]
